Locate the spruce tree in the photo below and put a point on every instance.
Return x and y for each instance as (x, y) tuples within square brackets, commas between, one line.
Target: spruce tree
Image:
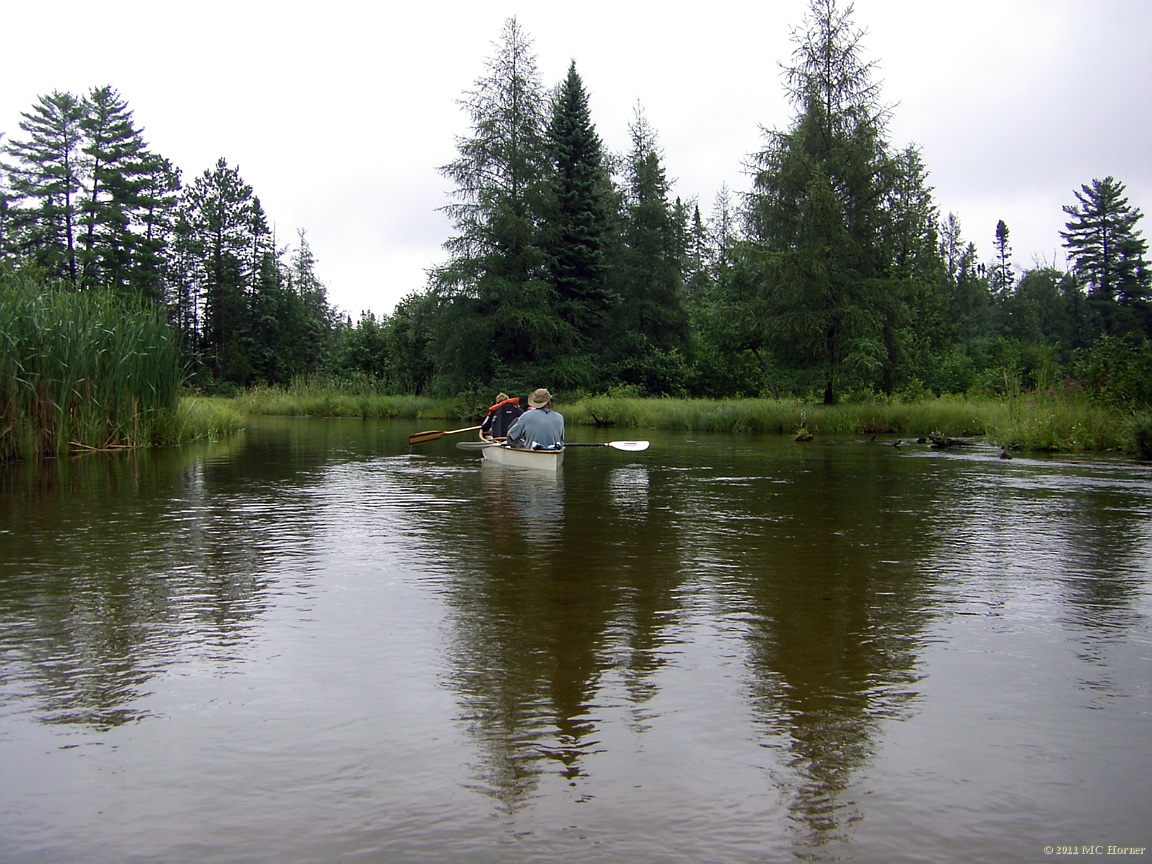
[(651, 282), (579, 221), (1002, 279)]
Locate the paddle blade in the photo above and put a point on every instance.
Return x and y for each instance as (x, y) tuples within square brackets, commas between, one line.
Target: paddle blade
[(634, 446), (425, 437)]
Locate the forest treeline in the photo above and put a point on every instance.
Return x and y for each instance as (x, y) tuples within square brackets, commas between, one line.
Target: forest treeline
[(569, 266)]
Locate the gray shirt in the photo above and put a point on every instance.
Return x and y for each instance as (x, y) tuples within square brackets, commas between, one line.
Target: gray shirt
[(541, 427)]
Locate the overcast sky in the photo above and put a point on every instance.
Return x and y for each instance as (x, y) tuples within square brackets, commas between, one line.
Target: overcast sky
[(339, 113)]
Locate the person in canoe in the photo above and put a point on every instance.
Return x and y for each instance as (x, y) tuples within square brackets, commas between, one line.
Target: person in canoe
[(500, 418), (538, 428)]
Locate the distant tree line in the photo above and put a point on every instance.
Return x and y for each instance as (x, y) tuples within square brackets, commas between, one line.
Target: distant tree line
[(834, 275), (576, 268)]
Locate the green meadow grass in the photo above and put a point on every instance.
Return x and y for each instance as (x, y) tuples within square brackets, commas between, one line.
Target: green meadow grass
[(340, 399), (1026, 423)]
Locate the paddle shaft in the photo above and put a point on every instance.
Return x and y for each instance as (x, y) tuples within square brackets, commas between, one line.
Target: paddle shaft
[(617, 445), (634, 446)]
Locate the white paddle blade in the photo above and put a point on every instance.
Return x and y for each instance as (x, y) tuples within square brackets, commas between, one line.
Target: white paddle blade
[(634, 446)]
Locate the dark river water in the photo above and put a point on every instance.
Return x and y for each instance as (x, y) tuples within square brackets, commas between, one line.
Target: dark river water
[(316, 644)]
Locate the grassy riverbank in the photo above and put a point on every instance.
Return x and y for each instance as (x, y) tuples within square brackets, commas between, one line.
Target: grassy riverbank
[(1025, 423)]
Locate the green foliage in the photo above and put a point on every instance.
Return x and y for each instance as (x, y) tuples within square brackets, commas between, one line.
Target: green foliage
[(1118, 371), (205, 419), (1138, 436)]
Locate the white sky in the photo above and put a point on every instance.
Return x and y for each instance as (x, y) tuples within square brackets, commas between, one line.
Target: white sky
[(339, 113)]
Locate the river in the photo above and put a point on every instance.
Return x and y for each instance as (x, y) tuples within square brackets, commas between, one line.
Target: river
[(313, 643)]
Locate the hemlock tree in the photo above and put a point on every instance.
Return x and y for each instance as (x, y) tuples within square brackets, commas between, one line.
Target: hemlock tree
[(1106, 249), (497, 309), (816, 212)]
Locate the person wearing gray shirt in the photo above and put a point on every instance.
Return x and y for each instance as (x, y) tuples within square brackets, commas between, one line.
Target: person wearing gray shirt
[(538, 428)]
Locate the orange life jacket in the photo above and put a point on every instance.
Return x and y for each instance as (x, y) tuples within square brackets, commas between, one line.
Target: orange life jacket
[(515, 400)]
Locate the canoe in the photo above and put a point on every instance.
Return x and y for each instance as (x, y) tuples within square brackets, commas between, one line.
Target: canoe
[(545, 460)]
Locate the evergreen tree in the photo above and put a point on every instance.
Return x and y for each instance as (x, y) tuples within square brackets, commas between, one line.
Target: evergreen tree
[(158, 199), (915, 331), (1002, 278), (579, 223), (220, 220), (816, 214), (653, 310), (46, 184), (496, 304), (966, 295), (114, 164), (732, 356), (1107, 252)]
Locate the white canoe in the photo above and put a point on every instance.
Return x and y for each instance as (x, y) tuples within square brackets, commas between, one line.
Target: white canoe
[(545, 460)]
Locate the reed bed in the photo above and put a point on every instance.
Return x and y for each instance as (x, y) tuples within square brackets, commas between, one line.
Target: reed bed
[(82, 371)]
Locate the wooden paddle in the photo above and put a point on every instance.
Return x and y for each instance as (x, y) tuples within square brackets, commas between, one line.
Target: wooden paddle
[(425, 437)]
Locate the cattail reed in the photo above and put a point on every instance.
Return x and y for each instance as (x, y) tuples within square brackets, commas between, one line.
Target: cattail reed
[(82, 370)]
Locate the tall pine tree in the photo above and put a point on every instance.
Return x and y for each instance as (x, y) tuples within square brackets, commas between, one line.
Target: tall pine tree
[(1107, 255), (115, 160), (45, 177)]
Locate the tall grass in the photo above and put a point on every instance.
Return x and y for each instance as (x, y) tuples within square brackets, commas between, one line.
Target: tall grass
[(1034, 423), (1024, 422), (337, 398), (205, 418), (948, 416), (82, 370)]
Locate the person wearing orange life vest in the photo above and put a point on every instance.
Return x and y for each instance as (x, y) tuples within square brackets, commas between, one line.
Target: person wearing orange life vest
[(500, 418)]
